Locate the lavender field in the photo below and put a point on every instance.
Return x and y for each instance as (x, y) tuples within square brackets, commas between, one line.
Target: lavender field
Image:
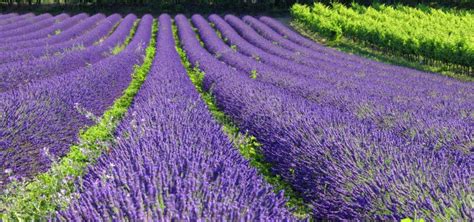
[(221, 118)]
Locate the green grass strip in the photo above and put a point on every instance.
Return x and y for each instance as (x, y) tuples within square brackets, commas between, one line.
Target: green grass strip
[(246, 144), (360, 48), (54, 189)]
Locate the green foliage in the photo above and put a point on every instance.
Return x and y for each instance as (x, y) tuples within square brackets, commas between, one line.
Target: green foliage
[(442, 35), (248, 145), (253, 74), (54, 189)]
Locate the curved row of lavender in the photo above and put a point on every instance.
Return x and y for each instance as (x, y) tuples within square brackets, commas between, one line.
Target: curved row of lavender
[(47, 32), (23, 19), (345, 167), (242, 46), (41, 120), (44, 22), (25, 22), (43, 34), (14, 18), (436, 121), (35, 26), (12, 21), (19, 73), (11, 17), (173, 158), (67, 40), (5, 17), (75, 39), (13, 28)]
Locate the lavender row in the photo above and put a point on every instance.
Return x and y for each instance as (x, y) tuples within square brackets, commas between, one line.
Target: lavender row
[(173, 158), (444, 128), (48, 32), (14, 18), (24, 22), (298, 39), (43, 34), (5, 17), (24, 72), (42, 120), (343, 167), (319, 53), (15, 26), (247, 47), (253, 37), (73, 32), (36, 26), (67, 42), (241, 45)]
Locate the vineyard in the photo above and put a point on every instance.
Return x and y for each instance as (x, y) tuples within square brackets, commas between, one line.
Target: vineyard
[(439, 35), (232, 118)]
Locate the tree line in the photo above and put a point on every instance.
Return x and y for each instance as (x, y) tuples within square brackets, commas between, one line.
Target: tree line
[(227, 2), (176, 5)]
